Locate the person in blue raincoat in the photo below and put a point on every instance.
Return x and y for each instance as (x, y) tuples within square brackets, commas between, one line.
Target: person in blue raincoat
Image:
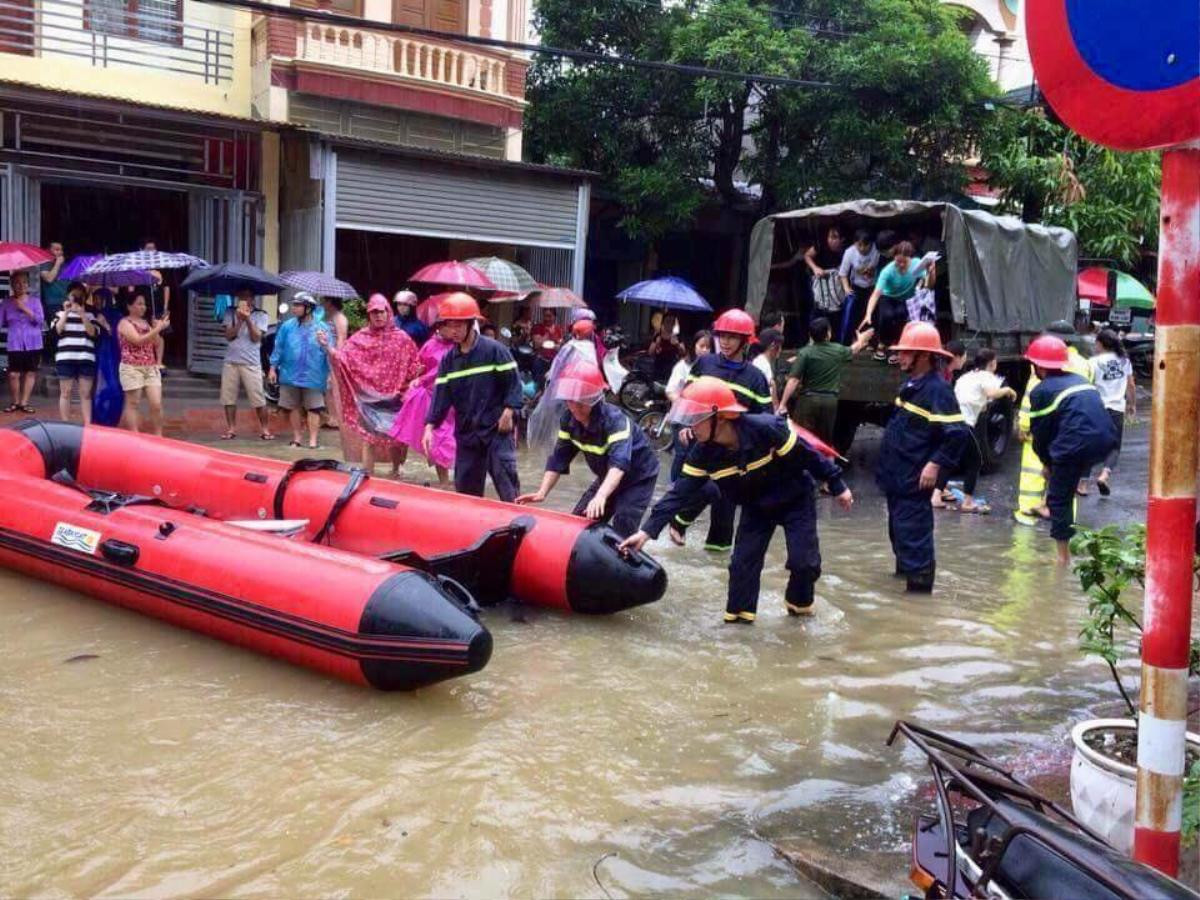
[(108, 400), (301, 369), (766, 466), (733, 331), (1071, 429), (616, 451), (923, 442)]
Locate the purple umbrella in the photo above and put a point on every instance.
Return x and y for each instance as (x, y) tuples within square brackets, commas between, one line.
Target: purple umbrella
[(668, 293), (140, 260), (76, 270), (318, 284)]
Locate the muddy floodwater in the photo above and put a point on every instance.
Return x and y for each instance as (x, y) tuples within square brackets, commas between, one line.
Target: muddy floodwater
[(655, 752)]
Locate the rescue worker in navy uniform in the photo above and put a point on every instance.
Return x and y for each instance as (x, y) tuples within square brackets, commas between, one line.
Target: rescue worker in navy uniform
[(617, 452), (923, 442), (759, 462), (478, 380), (733, 330), (1072, 431)]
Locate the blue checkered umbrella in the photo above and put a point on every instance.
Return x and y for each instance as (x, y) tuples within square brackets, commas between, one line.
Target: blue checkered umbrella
[(668, 292), (318, 284)]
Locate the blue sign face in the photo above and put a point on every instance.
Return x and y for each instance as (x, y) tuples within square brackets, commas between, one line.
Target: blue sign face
[(1136, 45), (1123, 73)]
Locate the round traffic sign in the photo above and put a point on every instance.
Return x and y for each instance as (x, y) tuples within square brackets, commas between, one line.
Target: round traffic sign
[(1123, 73)]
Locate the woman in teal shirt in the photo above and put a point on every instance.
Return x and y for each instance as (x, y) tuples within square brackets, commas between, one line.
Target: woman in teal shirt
[(887, 310)]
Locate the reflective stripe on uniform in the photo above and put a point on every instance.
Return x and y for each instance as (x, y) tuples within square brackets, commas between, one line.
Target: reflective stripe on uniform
[(1073, 389), (940, 418), (783, 450), (478, 370), (599, 449), (736, 388)]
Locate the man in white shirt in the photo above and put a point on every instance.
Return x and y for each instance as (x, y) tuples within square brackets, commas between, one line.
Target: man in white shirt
[(770, 342), (974, 390)]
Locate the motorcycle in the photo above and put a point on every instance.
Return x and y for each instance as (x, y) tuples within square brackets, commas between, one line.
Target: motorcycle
[(996, 837), (637, 391)]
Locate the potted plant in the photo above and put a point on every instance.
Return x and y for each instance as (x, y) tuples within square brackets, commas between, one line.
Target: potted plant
[(1104, 767)]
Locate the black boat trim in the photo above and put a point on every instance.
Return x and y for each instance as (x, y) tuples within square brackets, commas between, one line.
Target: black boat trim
[(440, 651)]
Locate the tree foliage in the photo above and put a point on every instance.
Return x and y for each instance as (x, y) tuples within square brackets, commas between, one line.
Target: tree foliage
[(904, 106), (1046, 173)]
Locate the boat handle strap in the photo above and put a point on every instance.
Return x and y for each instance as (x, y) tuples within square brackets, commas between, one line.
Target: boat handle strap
[(303, 465), (358, 477)]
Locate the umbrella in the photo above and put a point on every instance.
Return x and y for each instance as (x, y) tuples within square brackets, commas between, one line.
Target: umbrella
[(76, 270), (668, 292), (229, 278), (141, 260), (318, 284), (505, 275), (453, 274), (1132, 294), (22, 256), (1092, 284), (428, 309), (559, 298)]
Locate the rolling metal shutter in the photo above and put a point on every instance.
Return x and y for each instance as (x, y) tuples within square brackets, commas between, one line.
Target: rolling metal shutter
[(420, 197)]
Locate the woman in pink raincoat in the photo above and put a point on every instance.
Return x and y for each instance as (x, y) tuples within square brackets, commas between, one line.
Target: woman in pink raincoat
[(410, 422), (373, 371)]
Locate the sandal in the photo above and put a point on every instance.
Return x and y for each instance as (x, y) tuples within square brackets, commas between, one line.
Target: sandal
[(295, 444), (266, 436), (12, 408), (981, 509), (1103, 488), (229, 436), (28, 409)]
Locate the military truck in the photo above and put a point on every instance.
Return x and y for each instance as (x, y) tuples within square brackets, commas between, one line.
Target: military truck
[(1000, 281)]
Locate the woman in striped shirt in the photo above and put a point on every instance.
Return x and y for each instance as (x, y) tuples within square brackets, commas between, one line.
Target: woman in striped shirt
[(75, 356)]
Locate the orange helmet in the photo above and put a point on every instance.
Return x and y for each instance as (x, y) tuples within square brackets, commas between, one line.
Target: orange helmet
[(734, 321), (457, 307), (583, 329), (703, 398), (921, 337), (580, 382), (1048, 352)]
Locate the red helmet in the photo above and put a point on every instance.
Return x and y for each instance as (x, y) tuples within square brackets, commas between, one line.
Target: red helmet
[(583, 329), (457, 307), (734, 321), (580, 382), (921, 337), (1048, 352), (703, 398)]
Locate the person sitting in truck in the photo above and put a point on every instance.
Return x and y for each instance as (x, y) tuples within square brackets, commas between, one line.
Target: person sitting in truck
[(887, 310)]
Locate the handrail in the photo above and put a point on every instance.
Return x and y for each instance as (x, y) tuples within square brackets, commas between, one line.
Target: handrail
[(419, 59), (107, 35)]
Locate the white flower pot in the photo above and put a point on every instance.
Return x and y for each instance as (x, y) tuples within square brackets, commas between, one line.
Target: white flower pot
[(1103, 791)]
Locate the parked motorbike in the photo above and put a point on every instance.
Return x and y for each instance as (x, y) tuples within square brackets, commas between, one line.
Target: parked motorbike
[(637, 391), (996, 837), (266, 347)]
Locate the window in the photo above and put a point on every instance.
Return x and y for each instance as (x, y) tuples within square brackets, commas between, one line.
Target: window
[(341, 7), (146, 20)]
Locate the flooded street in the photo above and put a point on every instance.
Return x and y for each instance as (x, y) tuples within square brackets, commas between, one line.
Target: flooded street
[(650, 753)]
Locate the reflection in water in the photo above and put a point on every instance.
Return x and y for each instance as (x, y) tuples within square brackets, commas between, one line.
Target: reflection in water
[(172, 764)]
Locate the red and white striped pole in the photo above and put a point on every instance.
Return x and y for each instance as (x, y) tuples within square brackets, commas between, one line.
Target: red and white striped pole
[(1170, 518)]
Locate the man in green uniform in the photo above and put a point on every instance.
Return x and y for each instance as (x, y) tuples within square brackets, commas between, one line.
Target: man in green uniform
[(817, 375)]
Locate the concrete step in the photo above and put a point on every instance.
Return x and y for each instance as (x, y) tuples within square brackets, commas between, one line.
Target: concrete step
[(178, 383)]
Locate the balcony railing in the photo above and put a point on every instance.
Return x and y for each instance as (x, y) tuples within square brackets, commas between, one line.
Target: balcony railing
[(405, 57), (118, 34)]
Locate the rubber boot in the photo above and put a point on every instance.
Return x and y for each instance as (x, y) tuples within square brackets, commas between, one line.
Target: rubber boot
[(921, 582)]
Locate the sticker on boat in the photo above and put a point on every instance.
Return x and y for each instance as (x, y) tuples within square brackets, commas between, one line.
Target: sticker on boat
[(75, 538)]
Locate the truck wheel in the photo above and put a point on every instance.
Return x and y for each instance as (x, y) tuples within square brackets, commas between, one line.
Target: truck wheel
[(993, 432)]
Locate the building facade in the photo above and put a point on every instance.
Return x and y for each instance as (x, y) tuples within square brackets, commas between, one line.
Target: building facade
[(319, 138)]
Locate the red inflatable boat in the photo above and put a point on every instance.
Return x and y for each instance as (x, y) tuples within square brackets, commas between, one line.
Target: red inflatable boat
[(362, 620), (494, 549)]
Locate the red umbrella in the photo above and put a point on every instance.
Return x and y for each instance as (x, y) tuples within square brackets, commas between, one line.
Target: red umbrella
[(1092, 284), (22, 256), (559, 298), (454, 274), (428, 310)]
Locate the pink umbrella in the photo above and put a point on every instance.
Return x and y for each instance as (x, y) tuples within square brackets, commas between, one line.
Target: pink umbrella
[(558, 298), (22, 256), (454, 274), (428, 310)]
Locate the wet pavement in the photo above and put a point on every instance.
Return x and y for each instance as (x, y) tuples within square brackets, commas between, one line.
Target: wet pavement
[(657, 752)]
